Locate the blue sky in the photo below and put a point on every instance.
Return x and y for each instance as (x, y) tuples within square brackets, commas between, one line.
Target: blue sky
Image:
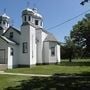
[(53, 11)]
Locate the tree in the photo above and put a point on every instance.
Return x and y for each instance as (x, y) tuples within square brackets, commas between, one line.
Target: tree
[(81, 35), (70, 48)]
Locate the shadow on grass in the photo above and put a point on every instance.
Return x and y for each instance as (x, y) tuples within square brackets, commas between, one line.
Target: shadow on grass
[(56, 82), (64, 63)]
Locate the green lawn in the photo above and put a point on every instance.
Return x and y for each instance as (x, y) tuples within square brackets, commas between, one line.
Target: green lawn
[(76, 67), (10, 81), (44, 83)]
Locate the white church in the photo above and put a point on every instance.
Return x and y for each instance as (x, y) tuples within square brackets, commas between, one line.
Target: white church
[(31, 45)]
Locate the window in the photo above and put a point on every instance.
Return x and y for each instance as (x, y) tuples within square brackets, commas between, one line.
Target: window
[(11, 34), (25, 47), (36, 22), (4, 22), (52, 51), (29, 18), (25, 18), (12, 52)]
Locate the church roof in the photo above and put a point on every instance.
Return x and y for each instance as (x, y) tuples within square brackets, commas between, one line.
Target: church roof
[(36, 13), (50, 37), (28, 9), (16, 30), (8, 40), (32, 11)]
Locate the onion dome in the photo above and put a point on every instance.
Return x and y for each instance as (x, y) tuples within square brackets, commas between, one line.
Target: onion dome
[(27, 11), (5, 16), (36, 14), (32, 12)]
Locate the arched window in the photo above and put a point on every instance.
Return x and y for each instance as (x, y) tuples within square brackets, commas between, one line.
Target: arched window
[(25, 18), (29, 18), (36, 22), (52, 51), (4, 22)]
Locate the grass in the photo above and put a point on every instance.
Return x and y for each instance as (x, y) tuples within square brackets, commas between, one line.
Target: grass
[(65, 67), (10, 81), (55, 82)]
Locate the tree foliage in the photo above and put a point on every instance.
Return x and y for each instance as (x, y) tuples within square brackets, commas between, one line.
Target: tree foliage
[(81, 35), (68, 49), (77, 45)]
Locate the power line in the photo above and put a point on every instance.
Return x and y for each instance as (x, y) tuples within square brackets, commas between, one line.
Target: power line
[(58, 25)]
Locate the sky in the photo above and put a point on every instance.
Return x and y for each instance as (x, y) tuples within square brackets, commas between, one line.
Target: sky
[(54, 12)]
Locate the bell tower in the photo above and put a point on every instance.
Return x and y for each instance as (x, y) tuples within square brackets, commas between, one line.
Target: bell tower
[(31, 16), (4, 22)]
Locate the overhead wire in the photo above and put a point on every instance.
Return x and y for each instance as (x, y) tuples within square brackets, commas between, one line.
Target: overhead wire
[(58, 25)]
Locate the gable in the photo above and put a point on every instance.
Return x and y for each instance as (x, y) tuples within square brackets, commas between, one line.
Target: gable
[(15, 34), (12, 28)]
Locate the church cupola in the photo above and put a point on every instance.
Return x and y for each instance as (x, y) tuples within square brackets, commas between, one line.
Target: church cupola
[(4, 23), (31, 16), (27, 15), (38, 19)]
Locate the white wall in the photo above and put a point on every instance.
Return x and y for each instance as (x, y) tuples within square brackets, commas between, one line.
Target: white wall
[(44, 35), (10, 59), (39, 41), (46, 52), (25, 37), (13, 60), (15, 54), (32, 46), (52, 59), (48, 58), (58, 53), (28, 35), (40, 37)]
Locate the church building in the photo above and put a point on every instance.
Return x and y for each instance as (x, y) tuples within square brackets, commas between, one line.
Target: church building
[(31, 45)]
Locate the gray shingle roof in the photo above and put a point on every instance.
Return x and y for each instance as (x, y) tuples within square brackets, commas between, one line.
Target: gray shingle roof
[(18, 31), (50, 37)]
